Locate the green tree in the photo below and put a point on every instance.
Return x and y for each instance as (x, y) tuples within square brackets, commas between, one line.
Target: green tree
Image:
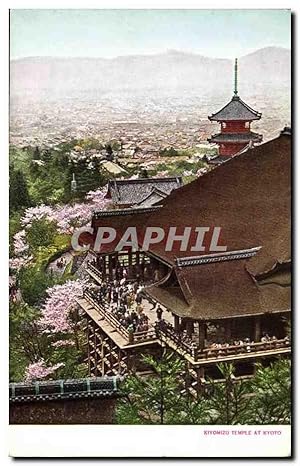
[(37, 154), (159, 399), (271, 400), (170, 152), (33, 283), (18, 191), (109, 152), (25, 342), (41, 234), (228, 400)]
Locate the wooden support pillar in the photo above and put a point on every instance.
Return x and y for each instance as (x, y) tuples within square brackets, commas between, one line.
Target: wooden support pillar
[(131, 362), (105, 259), (190, 328), (111, 344), (110, 266), (200, 380), (95, 348), (257, 328), (129, 264), (102, 358), (88, 346), (176, 323), (137, 256), (201, 340), (119, 361), (227, 326), (187, 377)]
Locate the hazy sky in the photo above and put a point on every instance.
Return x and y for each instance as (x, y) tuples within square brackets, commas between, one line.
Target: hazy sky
[(109, 33)]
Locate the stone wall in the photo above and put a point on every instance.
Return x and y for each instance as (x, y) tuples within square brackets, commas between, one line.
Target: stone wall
[(74, 411)]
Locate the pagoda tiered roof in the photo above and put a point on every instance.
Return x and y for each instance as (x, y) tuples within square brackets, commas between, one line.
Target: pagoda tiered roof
[(236, 137), (236, 110)]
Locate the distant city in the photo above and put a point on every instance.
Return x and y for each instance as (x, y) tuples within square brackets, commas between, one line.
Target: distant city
[(150, 102)]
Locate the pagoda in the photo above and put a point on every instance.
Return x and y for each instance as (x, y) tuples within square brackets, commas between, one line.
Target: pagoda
[(235, 119)]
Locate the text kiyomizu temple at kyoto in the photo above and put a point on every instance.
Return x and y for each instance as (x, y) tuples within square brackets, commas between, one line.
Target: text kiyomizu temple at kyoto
[(207, 307)]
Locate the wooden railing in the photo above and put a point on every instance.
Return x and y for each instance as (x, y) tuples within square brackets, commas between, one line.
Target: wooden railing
[(95, 271), (135, 337), (166, 330), (246, 348), (163, 328)]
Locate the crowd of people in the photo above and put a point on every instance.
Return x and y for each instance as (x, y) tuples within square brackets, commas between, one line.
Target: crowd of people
[(244, 345), (143, 271), (124, 300), (217, 347)]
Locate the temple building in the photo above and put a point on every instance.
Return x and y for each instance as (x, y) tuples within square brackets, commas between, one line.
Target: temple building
[(228, 306), (235, 119), (142, 192)]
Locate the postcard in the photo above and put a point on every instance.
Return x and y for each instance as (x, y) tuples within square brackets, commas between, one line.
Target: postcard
[(150, 231)]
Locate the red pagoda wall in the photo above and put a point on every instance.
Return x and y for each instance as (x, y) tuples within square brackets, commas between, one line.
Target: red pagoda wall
[(231, 148), (235, 127)]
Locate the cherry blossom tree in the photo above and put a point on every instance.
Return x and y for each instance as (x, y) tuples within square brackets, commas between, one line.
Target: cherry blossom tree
[(20, 245), (69, 216), (39, 370), (59, 305), (61, 343)]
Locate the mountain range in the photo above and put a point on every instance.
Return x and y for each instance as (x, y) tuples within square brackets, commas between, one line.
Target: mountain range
[(173, 71)]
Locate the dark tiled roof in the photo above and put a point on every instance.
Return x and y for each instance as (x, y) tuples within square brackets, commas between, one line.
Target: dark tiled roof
[(219, 289), (236, 109), (236, 137), (96, 387), (219, 159), (249, 198), (134, 191), (155, 196)]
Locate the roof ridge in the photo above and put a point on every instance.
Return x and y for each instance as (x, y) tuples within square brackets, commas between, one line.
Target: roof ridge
[(148, 180), (250, 108), (153, 191), (217, 257), (130, 210)]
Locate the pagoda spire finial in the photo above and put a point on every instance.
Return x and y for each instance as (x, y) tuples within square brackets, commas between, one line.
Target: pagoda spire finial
[(235, 76)]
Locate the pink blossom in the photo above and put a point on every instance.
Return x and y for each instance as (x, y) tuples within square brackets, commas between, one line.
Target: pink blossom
[(67, 217), (97, 197), (20, 245), (39, 370), (16, 263), (36, 213), (61, 343), (60, 302)]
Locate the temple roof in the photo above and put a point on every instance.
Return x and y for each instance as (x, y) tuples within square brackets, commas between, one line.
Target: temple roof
[(249, 198), (154, 197), (220, 290), (120, 220), (131, 192), (236, 137), (235, 110)]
